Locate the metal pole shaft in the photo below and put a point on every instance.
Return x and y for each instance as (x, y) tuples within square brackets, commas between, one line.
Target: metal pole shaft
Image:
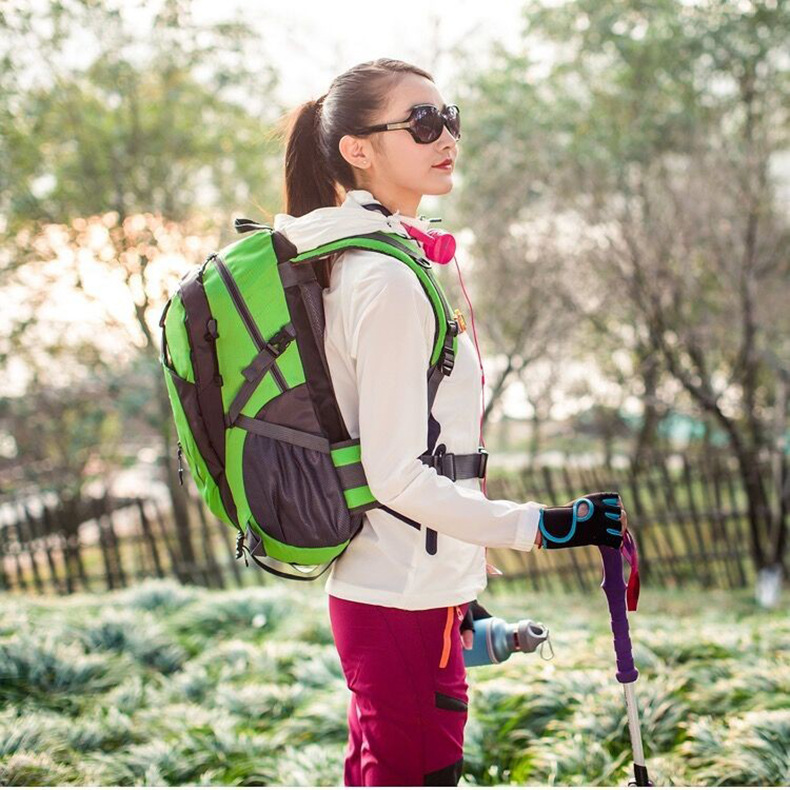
[(633, 723)]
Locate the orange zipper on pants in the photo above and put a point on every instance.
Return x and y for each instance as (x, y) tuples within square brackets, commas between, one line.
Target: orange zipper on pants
[(448, 630)]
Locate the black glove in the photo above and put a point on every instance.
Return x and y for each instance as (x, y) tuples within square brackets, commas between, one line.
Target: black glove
[(474, 612), (563, 527)]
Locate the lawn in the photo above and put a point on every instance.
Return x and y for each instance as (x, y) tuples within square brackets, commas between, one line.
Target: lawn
[(162, 684)]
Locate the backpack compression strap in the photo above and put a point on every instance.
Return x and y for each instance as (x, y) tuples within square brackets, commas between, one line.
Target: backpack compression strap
[(208, 382)]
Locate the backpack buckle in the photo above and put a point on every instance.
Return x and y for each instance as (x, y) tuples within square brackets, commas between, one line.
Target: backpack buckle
[(279, 342), (447, 361), (483, 461), (448, 465), (445, 462)]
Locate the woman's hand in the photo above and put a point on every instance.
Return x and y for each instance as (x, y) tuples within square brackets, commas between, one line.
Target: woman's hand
[(583, 511), (592, 519), (474, 612)]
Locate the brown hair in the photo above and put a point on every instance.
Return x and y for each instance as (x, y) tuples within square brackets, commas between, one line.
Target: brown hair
[(314, 166)]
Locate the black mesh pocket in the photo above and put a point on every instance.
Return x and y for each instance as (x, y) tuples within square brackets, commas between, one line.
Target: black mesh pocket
[(294, 492)]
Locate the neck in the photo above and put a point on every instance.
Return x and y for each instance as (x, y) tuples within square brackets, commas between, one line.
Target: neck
[(395, 199)]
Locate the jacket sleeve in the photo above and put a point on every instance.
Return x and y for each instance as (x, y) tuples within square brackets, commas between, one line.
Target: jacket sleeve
[(392, 330)]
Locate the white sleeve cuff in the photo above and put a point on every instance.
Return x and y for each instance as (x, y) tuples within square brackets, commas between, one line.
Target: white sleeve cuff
[(527, 526)]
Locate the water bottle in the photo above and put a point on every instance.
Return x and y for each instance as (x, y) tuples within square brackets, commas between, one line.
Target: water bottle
[(495, 640)]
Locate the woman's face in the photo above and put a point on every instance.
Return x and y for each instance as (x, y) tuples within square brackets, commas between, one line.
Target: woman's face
[(391, 165)]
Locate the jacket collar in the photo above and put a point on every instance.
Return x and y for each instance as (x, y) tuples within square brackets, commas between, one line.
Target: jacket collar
[(351, 218)]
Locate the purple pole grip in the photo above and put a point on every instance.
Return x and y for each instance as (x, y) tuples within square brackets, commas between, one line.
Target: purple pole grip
[(614, 587)]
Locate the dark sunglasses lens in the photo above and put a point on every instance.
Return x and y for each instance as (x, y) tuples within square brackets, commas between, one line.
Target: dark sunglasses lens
[(453, 119), (427, 124)]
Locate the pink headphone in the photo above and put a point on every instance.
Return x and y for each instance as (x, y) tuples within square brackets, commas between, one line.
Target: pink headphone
[(439, 245)]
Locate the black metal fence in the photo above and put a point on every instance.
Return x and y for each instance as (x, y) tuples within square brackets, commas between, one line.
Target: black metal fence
[(109, 543), (688, 516)]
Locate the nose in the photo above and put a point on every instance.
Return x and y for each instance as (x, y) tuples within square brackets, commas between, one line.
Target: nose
[(446, 140)]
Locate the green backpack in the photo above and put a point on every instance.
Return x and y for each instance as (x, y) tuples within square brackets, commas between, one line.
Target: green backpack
[(254, 407)]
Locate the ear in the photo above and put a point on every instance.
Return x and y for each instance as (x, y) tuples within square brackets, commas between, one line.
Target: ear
[(356, 151)]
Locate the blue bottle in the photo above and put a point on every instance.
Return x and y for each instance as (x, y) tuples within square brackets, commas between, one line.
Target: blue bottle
[(495, 640)]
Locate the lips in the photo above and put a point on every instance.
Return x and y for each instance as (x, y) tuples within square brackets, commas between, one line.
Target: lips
[(445, 163)]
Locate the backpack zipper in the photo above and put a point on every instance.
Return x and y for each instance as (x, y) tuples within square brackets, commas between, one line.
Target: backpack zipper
[(180, 467), (246, 317)]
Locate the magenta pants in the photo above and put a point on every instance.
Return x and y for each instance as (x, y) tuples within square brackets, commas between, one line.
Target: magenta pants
[(408, 705)]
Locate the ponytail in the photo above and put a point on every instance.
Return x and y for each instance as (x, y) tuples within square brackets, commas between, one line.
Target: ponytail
[(308, 183)]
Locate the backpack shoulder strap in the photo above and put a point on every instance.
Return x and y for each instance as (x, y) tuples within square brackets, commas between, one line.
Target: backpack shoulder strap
[(446, 332)]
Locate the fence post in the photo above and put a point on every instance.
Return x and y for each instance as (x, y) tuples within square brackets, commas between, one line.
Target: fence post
[(703, 548), (47, 533), (213, 571), (717, 527), (114, 544), (63, 524), (108, 569), (175, 559), (145, 526), (4, 582), (30, 539)]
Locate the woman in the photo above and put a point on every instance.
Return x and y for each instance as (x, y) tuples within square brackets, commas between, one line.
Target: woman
[(397, 597)]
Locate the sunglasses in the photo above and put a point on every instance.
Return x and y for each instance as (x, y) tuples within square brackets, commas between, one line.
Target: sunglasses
[(425, 123)]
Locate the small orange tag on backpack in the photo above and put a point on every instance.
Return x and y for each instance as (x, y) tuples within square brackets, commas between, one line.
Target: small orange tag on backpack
[(459, 316)]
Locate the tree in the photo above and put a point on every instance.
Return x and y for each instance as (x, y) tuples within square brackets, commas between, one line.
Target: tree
[(133, 150), (655, 126)]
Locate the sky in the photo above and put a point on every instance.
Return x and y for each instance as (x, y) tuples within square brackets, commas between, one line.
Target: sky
[(317, 40)]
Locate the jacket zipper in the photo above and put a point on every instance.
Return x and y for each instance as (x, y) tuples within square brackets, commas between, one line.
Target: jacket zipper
[(246, 317)]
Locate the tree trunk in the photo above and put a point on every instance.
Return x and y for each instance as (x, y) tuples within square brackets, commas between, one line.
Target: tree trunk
[(647, 436), (534, 440), (757, 505), (178, 494)]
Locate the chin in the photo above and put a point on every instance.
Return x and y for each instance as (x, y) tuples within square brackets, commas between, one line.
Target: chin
[(439, 190)]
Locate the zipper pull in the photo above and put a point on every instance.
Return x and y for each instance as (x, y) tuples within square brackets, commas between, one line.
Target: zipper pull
[(180, 467), (240, 548), (459, 613)]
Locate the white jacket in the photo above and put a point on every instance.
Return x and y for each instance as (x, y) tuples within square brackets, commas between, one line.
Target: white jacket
[(378, 341)]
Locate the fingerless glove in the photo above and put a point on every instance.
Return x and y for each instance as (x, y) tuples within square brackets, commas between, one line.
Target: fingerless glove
[(475, 611), (564, 528)]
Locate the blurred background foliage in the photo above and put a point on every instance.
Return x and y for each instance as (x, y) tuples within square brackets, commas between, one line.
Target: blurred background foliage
[(624, 204)]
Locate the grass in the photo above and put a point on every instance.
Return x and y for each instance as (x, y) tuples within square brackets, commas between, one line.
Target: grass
[(162, 684)]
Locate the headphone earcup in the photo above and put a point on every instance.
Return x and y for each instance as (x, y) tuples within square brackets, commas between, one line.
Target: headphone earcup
[(439, 245)]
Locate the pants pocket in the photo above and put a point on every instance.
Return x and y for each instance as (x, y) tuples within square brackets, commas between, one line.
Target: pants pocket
[(447, 702)]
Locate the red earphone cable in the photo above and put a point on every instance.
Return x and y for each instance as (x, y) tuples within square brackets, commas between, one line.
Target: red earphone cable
[(480, 361)]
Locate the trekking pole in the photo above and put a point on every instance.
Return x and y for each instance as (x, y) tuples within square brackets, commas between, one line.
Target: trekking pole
[(615, 589)]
